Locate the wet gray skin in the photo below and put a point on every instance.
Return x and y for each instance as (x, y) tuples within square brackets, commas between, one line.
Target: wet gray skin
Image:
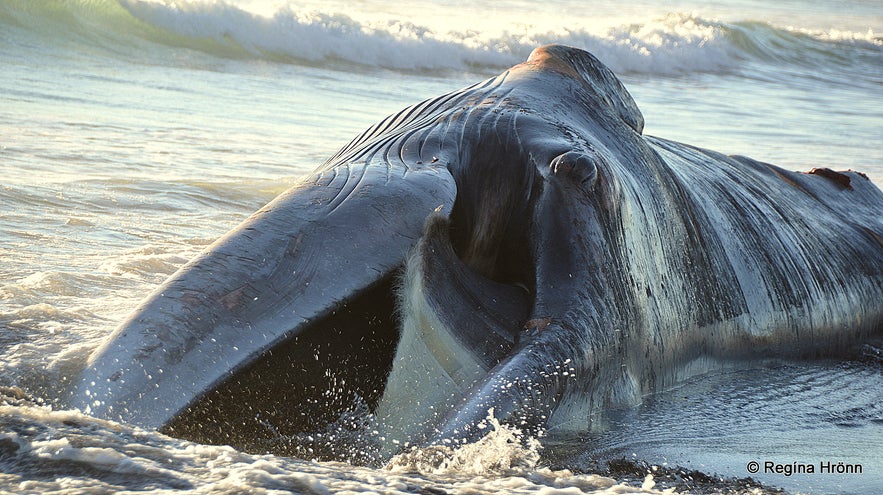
[(516, 245)]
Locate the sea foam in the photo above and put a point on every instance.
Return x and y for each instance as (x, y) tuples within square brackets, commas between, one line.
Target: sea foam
[(669, 45), (45, 450)]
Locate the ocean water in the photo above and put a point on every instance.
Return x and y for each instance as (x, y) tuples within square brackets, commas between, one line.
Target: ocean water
[(135, 132)]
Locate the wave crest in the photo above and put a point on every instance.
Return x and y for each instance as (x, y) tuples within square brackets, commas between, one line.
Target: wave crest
[(674, 44)]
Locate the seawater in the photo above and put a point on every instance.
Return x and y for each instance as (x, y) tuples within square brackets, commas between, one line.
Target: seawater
[(134, 132)]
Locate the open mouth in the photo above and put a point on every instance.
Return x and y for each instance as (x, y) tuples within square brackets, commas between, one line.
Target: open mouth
[(431, 328)]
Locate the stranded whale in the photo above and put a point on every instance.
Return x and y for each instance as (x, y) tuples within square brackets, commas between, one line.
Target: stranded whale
[(516, 245)]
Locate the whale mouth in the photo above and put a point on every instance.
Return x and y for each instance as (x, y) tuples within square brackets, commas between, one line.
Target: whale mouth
[(333, 373), (290, 325)]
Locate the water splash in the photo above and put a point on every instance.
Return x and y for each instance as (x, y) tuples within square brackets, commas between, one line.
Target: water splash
[(504, 450)]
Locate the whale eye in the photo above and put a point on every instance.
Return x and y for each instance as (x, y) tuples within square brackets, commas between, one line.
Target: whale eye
[(579, 167)]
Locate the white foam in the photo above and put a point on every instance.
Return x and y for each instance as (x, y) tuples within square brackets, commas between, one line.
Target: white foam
[(50, 451), (668, 45), (841, 35), (504, 450)]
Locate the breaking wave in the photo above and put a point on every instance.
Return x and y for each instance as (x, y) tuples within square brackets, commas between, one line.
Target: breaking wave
[(670, 45)]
